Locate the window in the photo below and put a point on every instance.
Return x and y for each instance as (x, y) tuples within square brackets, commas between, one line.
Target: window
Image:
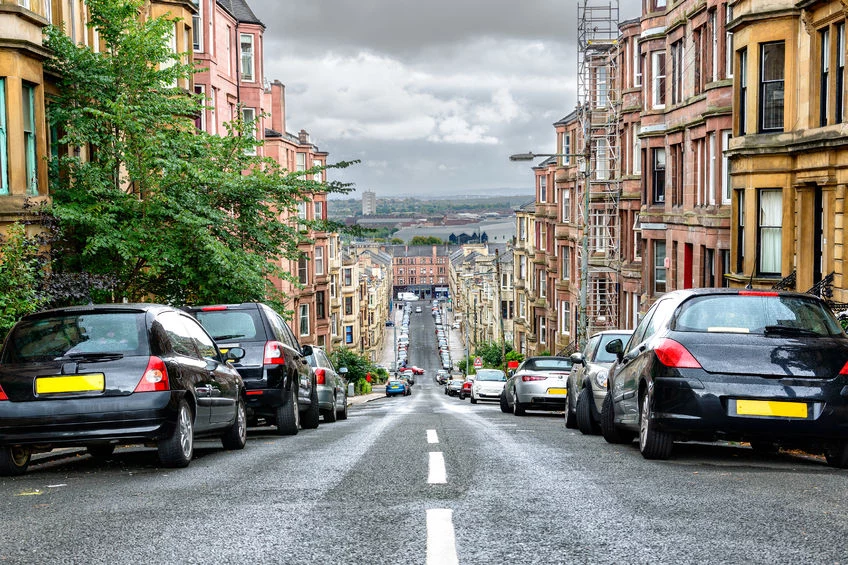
[(348, 306), (197, 27), (319, 210), (332, 287), (543, 331), (770, 231), (725, 167), (24, 3), (522, 306), (4, 164), (714, 44), (522, 267), (301, 162), (743, 91), (332, 248), (677, 72), (200, 120), (728, 43), (302, 270), (565, 317), (637, 63), (319, 260), (543, 283), (348, 334), (334, 325), (304, 319), (740, 232), (543, 188), (824, 43), (658, 74), (566, 149), (711, 171), (566, 205), (839, 103), (601, 160), (28, 108), (522, 229), (771, 86), (319, 175), (347, 277), (249, 117), (302, 210), (659, 267), (247, 57), (601, 92), (566, 263), (320, 304), (659, 175)]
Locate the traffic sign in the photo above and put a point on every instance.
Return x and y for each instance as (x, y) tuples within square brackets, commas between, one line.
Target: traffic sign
[(478, 362)]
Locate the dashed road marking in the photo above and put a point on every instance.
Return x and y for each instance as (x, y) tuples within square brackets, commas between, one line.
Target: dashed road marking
[(441, 539), (438, 475), (432, 436)]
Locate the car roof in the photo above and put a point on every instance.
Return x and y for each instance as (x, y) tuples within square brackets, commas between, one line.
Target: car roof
[(124, 307)]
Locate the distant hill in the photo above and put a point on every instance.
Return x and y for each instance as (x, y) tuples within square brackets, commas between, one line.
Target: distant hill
[(406, 207)]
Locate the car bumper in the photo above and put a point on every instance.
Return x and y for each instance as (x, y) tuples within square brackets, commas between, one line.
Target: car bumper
[(265, 401), (138, 417), (325, 397), (697, 407), (535, 400)]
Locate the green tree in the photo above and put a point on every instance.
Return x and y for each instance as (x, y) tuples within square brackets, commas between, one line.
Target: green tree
[(170, 213), (426, 240), (22, 274), (358, 367)]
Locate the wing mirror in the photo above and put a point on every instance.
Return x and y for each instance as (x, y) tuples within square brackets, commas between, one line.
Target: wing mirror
[(577, 358), (234, 354), (616, 347), (306, 350)]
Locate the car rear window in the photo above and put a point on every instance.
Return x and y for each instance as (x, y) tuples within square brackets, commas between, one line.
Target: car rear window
[(549, 365), (755, 313), (232, 325), (77, 334), (490, 375)]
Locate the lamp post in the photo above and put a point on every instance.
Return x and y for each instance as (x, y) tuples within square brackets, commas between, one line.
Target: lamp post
[(582, 323)]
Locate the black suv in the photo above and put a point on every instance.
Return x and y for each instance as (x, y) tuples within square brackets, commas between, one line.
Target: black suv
[(279, 382)]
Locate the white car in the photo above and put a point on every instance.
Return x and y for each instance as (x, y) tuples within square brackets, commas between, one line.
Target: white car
[(488, 385)]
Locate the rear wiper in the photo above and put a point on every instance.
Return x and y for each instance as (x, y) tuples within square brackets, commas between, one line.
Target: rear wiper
[(94, 355), (788, 330), (231, 336)]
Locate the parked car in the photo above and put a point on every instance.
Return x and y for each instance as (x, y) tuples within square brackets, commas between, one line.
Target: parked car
[(99, 376), (453, 387), (539, 383), (442, 376), (763, 367), (488, 385), (280, 385), (587, 383), (465, 390), (397, 387), (331, 384)]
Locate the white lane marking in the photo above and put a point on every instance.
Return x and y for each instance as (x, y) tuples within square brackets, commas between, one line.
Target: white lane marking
[(441, 540), (438, 475), (432, 436)]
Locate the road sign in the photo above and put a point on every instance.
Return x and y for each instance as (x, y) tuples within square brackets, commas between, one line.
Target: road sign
[(478, 362)]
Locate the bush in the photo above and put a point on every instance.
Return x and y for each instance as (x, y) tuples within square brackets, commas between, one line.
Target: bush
[(22, 275)]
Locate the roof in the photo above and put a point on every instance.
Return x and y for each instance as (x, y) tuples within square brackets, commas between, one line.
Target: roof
[(529, 207), (240, 11), (572, 117)]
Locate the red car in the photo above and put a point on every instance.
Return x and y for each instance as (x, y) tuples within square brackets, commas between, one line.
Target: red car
[(417, 370), (466, 390)]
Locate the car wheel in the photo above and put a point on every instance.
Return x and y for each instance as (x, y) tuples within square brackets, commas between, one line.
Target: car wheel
[(585, 422), (177, 449), (101, 450), (236, 435), (330, 415), (288, 415), (504, 404), (610, 431), (14, 460), (517, 408), (837, 454), (473, 398), (570, 414), (312, 415), (343, 412), (652, 443)]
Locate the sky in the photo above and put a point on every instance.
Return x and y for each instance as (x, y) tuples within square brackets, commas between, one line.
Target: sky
[(431, 97)]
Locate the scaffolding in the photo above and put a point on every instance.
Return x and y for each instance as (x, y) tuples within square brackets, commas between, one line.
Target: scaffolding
[(599, 105)]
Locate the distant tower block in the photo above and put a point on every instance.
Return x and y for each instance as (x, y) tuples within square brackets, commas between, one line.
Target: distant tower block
[(369, 203)]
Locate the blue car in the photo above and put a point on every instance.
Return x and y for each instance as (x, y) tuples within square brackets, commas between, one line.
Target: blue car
[(396, 387)]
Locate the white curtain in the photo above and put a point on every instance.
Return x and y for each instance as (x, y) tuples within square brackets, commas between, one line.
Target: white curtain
[(771, 214)]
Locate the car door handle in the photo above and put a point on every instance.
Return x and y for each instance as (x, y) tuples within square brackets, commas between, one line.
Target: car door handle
[(207, 390)]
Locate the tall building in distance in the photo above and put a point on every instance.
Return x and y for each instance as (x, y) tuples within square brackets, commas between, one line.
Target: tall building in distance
[(369, 203)]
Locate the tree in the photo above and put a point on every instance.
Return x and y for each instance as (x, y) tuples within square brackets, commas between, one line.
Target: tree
[(172, 214), (425, 240), (21, 273), (357, 367)]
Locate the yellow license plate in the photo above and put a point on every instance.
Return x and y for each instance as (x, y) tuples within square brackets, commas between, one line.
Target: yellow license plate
[(557, 391), (95, 382), (771, 408)]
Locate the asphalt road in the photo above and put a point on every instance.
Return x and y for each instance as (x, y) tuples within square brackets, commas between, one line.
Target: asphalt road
[(371, 490)]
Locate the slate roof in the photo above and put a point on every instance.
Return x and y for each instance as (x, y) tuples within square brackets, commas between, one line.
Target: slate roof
[(240, 11)]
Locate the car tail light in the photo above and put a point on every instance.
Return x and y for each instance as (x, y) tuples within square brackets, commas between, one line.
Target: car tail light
[(320, 377), (672, 354), (254, 392), (213, 308), (529, 378), (844, 371), (274, 353), (155, 377), (3, 394), (757, 293)]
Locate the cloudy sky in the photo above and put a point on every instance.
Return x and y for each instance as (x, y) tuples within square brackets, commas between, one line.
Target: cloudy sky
[(432, 97)]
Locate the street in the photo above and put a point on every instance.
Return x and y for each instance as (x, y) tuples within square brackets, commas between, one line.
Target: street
[(372, 489)]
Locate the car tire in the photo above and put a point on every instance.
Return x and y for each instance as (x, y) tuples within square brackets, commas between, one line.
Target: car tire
[(585, 422), (503, 403), (517, 408), (473, 398), (570, 413), (177, 449), (236, 435), (653, 444), (14, 460), (611, 432), (342, 414), (101, 450), (312, 415), (330, 415), (836, 454), (288, 415)]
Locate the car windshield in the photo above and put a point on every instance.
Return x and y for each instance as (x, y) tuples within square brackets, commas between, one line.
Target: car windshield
[(551, 364), (225, 325), (490, 375), (766, 314), (77, 335)]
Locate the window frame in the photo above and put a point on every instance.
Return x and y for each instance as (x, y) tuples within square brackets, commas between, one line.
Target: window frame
[(767, 123), (4, 155), (657, 191), (659, 267), (303, 319), (773, 228), (248, 57), (658, 79), (28, 98)]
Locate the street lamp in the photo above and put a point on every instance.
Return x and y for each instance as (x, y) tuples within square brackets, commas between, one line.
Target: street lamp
[(582, 324)]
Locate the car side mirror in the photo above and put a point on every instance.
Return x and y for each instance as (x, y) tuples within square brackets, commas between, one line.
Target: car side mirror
[(577, 358), (343, 371), (234, 354), (616, 347), (511, 372), (306, 350)]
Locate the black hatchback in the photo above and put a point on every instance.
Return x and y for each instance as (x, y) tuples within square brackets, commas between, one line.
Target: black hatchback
[(769, 368), (106, 375)]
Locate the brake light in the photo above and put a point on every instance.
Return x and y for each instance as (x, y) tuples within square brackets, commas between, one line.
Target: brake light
[(528, 378), (672, 354), (274, 353), (213, 308), (757, 293), (844, 371), (320, 377), (155, 377), (3, 394)]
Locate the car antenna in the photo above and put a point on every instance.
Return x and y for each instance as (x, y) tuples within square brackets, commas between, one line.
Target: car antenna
[(750, 285)]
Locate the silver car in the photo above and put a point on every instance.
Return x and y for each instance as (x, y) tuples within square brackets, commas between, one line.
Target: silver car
[(331, 385), (488, 385), (587, 384), (539, 383)]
